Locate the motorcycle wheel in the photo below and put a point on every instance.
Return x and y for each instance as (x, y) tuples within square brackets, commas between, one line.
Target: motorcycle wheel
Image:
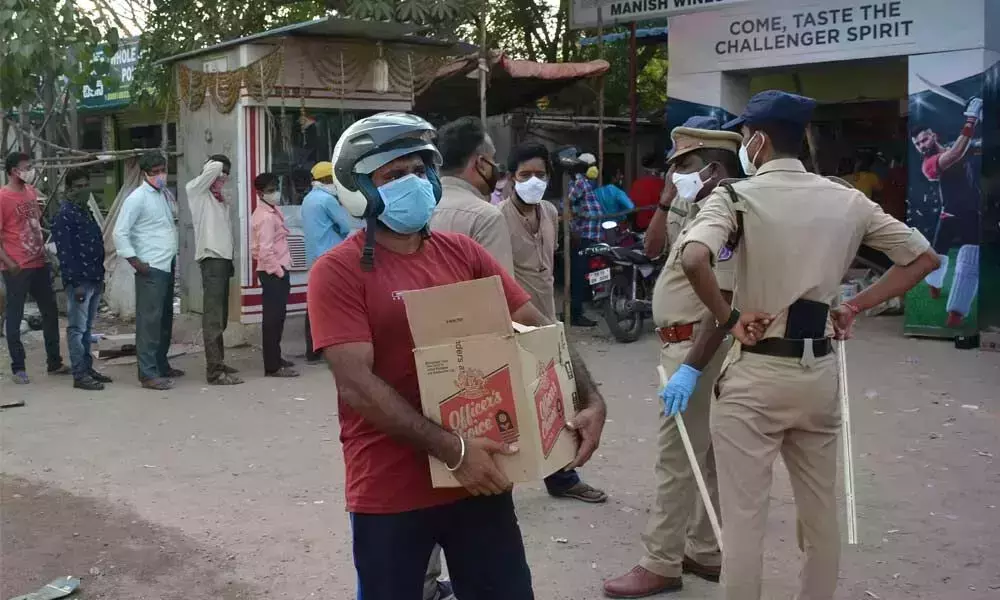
[(625, 326)]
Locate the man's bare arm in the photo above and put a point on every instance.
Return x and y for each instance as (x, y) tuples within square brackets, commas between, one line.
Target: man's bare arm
[(382, 406), (696, 260), (657, 239), (707, 341), (953, 155), (7, 260)]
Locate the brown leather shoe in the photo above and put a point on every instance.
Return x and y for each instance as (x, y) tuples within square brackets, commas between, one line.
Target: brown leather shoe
[(699, 570), (639, 583)]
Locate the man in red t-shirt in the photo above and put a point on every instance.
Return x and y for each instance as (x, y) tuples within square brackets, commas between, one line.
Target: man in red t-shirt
[(25, 270), (359, 321), (645, 191)]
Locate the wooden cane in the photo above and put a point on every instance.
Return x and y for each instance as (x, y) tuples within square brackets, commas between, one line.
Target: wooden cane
[(848, 458), (706, 499)]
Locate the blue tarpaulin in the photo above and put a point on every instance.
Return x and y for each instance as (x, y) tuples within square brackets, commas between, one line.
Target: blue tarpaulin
[(648, 35)]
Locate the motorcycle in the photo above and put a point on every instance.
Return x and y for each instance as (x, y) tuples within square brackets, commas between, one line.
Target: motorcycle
[(621, 279)]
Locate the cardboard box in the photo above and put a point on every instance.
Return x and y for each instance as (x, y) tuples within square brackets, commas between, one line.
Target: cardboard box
[(483, 376)]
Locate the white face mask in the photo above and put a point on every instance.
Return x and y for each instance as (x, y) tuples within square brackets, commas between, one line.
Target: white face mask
[(329, 188), (688, 185), (28, 176), (749, 164), (531, 191), (272, 198)]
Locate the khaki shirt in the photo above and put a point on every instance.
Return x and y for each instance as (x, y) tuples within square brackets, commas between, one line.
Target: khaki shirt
[(464, 210), (801, 233), (681, 213), (534, 253), (674, 300)]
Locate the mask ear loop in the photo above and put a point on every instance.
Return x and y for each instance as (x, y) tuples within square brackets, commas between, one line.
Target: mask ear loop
[(753, 159)]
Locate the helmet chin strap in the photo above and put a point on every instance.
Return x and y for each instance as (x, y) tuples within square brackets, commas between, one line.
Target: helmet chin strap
[(368, 253)]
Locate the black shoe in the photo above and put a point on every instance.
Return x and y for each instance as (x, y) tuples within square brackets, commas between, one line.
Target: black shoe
[(582, 321), (314, 359), (100, 377), (88, 383), (283, 372), (287, 363), (229, 370), (60, 370), (173, 373)]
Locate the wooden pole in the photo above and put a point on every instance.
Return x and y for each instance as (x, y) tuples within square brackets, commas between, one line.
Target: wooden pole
[(600, 96), (567, 215), (633, 104), (699, 479), (483, 64), (847, 446)]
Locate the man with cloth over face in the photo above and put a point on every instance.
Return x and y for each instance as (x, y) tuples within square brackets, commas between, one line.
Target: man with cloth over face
[(796, 234), (679, 536)]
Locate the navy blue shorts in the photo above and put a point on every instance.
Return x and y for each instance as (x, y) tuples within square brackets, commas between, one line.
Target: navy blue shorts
[(481, 542)]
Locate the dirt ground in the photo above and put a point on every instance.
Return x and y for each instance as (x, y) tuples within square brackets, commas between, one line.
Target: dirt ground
[(237, 493)]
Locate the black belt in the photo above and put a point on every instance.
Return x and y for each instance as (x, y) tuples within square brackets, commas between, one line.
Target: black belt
[(790, 348)]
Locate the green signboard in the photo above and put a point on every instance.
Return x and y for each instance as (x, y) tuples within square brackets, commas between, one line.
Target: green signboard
[(114, 93)]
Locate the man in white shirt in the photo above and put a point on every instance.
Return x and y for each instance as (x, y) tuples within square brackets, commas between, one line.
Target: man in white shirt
[(213, 239), (146, 236)]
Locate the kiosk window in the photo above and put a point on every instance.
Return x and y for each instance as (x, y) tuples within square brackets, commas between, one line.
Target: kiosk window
[(295, 144)]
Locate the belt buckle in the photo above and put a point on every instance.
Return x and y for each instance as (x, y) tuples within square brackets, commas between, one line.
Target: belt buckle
[(808, 358)]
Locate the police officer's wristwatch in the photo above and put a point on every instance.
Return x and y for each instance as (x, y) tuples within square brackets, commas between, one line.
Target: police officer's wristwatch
[(734, 318)]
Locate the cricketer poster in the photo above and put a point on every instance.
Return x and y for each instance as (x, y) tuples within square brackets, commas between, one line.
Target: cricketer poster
[(945, 199)]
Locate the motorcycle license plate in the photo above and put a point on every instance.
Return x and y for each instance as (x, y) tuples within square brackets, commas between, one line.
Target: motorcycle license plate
[(599, 276)]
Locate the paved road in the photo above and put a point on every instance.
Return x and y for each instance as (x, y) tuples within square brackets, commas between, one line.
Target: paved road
[(237, 493)]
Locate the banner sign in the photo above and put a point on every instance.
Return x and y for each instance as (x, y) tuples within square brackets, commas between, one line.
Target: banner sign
[(768, 33), (583, 13)]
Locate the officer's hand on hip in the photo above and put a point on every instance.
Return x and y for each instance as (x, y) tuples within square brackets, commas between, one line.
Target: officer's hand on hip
[(843, 320), (678, 390)]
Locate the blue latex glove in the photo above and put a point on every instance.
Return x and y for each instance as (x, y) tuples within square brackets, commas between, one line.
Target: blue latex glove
[(678, 390)]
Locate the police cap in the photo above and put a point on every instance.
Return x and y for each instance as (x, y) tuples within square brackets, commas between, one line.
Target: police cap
[(774, 106)]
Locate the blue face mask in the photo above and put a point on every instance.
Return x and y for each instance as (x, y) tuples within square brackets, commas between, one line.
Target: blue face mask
[(409, 204)]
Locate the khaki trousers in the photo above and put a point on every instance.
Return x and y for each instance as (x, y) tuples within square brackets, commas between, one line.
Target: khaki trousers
[(679, 524), (769, 405)]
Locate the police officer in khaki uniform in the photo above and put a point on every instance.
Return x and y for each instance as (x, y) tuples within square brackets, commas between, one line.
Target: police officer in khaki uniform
[(679, 536), (796, 235)]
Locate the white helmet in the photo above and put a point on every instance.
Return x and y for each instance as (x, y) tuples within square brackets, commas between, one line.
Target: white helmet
[(374, 142)]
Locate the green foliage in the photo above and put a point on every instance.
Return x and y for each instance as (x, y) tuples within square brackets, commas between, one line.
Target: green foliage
[(524, 29), (47, 46)]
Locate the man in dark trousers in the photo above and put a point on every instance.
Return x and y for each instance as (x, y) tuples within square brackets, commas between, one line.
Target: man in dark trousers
[(24, 266), (269, 247), (360, 323), (146, 236), (213, 240)]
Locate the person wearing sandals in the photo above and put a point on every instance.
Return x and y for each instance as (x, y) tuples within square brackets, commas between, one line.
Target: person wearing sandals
[(269, 247), (213, 239), (465, 208), (24, 266)]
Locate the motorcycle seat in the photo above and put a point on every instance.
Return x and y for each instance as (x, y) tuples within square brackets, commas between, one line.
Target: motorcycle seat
[(633, 256)]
